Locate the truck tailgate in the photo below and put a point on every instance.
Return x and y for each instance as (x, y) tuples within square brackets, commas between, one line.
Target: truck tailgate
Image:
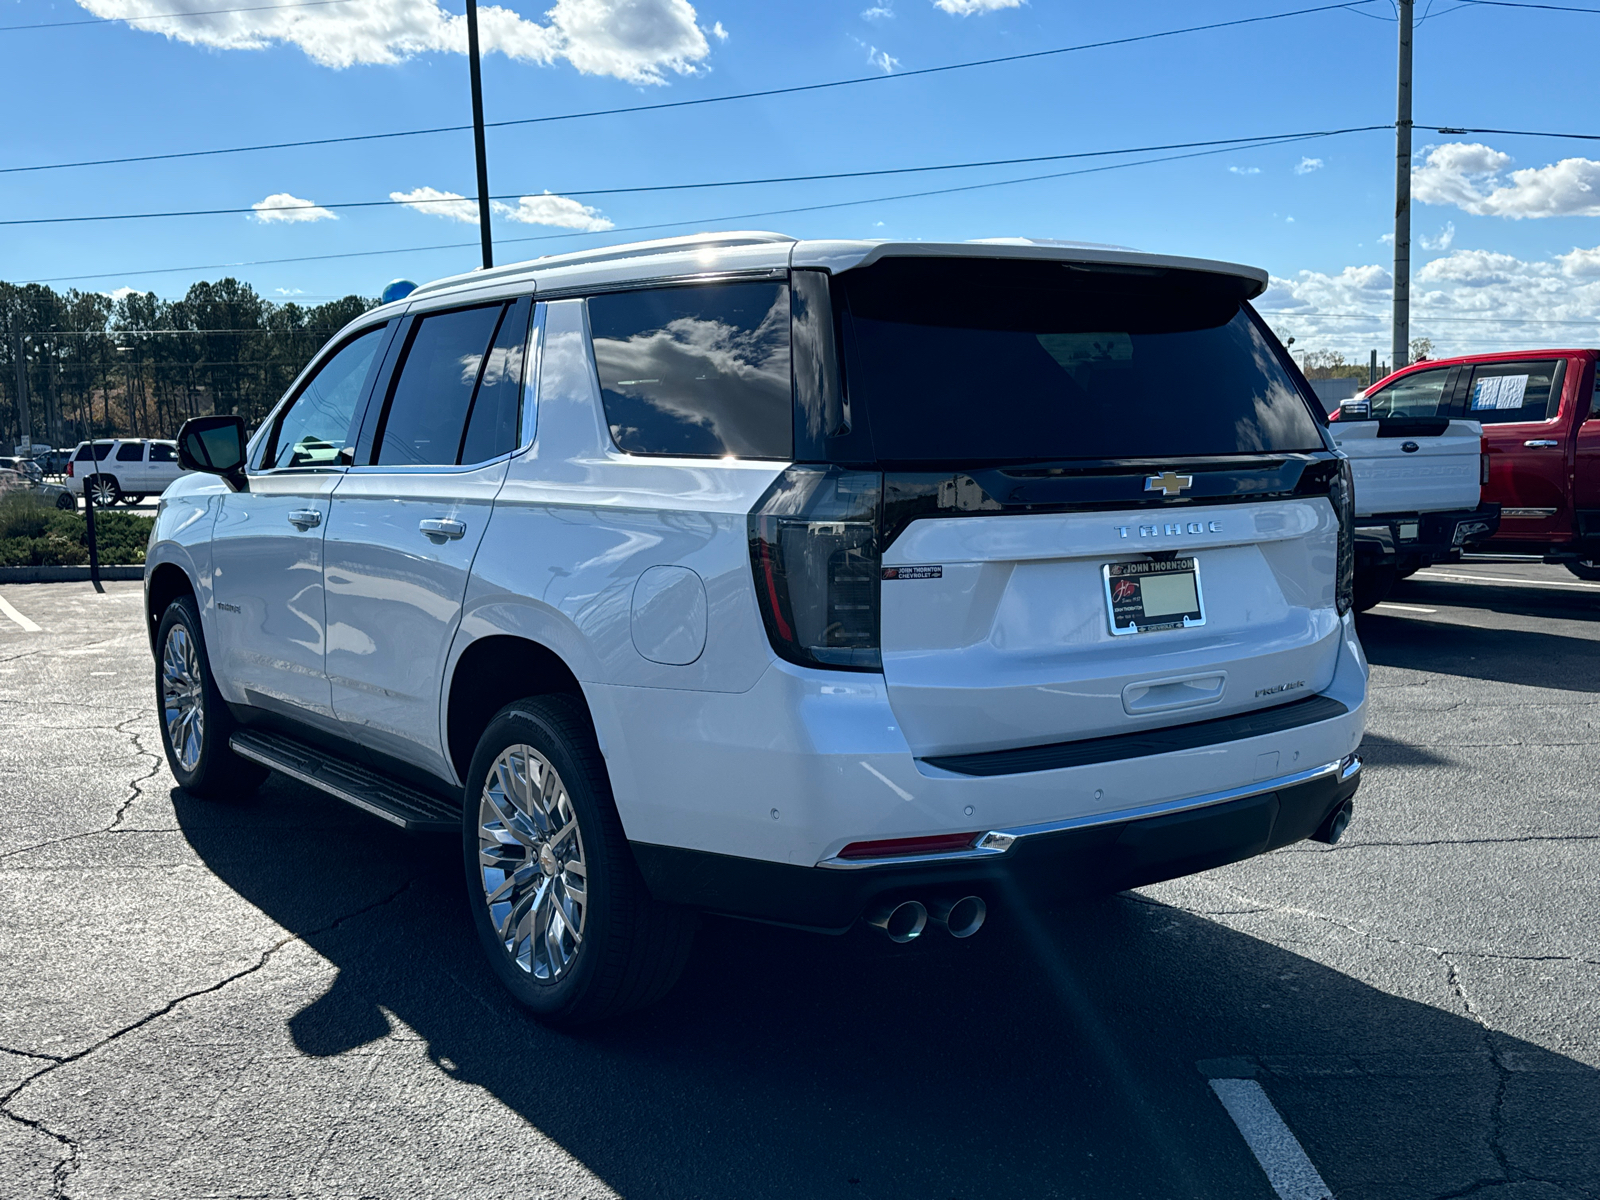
[(1399, 471)]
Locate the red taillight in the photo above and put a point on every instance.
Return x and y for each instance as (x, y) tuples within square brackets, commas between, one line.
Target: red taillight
[(936, 843), (814, 554), (69, 468)]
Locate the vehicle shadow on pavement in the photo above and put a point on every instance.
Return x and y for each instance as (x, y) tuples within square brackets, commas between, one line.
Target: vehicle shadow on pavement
[(1055, 1054), (1519, 656)]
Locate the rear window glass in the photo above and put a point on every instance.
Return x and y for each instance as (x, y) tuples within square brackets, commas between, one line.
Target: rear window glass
[(130, 452), (161, 452), (97, 451), (1420, 394), (696, 371), (1002, 362), (430, 400), (1525, 391)]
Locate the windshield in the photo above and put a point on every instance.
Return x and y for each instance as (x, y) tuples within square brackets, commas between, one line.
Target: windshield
[(1027, 361)]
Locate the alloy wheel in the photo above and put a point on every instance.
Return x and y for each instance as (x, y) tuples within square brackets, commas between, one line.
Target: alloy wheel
[(105, 493), (182, 697), (531, 863)]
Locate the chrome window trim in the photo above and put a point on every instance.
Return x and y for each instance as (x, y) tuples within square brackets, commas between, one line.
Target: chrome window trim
[(999, 841), (585, 290), (528, 419)]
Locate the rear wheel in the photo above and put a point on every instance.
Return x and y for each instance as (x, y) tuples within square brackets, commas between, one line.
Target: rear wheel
[(67, 502), (1585, 568), (105, 490), (556, 898), (1372, 585), (195, 722), (1407, 566), (135, 498)]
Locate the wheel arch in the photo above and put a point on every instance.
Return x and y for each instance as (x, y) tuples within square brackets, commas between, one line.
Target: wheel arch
[(164, 584), (489, 674)]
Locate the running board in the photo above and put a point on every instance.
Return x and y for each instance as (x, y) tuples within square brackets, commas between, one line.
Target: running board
[(410, 808)]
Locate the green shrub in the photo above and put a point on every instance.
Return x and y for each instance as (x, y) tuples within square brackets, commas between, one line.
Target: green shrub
[(34, 534)]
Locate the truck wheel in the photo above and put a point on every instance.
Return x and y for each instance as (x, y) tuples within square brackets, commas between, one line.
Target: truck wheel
[(195, 722), (134, 498), (1407, 566), (105, 489), (1585, 568), (1372, 585), (557, 900)]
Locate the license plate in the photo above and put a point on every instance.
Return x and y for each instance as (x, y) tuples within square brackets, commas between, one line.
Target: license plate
[(1142, 597), (1409, 530)]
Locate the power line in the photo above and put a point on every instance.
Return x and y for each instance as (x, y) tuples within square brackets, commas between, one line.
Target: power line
[(1351, 5), (1284, 315), (1523, 4), (1227, 143), (1454, 129), (210, 12), (701, 221)]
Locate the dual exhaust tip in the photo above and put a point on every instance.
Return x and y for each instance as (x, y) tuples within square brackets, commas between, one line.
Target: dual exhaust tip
[(903, 921)]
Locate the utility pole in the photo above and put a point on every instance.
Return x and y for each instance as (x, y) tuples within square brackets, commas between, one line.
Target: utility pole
[(24, 418), (477, 131), (1401, 338)]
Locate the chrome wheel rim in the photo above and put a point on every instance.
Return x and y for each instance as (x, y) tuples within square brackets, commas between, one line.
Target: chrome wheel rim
[(182, 700), (531, 863), (103, 495)]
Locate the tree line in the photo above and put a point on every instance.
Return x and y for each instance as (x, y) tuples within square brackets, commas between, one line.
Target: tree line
[(139, 366)]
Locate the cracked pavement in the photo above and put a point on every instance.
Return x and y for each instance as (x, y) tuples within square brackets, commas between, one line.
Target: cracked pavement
[(281, 997)]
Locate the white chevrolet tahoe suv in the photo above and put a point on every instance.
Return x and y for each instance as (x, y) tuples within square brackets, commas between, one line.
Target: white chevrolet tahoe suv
[(803, 581)]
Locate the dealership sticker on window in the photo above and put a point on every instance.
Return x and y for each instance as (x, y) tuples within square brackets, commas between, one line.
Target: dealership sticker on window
[(913, 572), (1504, 391)]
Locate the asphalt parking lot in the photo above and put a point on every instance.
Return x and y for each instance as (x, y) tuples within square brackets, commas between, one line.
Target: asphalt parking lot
[(282, 997)]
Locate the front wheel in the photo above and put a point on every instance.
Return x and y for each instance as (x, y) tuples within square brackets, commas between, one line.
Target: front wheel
[(1372, 585), (195, 722), (135, 498), (1585, 568), (557, 900)]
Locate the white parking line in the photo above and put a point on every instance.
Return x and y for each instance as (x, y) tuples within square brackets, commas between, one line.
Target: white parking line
[(1288, 1169), (1593, 587), (27, 625), (1405, 607)]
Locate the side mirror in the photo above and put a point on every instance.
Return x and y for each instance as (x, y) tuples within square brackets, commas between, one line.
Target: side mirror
[(214, 445), (1358, 408)]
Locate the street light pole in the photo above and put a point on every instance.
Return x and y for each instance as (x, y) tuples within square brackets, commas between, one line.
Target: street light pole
[(477, 133), (1401, 338)]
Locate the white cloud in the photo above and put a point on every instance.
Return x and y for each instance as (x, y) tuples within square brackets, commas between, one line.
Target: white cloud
[(290, 291), (965, 8), (1463, 301), (1308, 165), (1446, 237), (633, 40), (281, 206), (718, 32), (122, 292), (435, 203), (1386, 238), (1245, 170), (882, 59), (878, 12), (1469, 176), (561, 211)]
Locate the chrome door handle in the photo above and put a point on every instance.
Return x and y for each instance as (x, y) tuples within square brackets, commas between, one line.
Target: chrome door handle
[(442, 529), (305, 518), (1542, 442)]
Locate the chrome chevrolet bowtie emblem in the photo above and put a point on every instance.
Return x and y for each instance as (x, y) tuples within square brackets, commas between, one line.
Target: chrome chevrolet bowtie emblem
[(1168, 483)]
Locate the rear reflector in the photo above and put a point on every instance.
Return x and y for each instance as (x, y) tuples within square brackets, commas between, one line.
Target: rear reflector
[(938, 843)]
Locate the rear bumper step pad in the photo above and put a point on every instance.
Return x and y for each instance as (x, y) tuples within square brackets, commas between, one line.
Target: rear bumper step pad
[(1144, 743), (408, 807)]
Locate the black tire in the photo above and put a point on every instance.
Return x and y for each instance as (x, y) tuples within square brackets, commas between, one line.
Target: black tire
[(1372, 585), (103, 486), (67, 502), (131, 500), (216, 771), (1587, 568), (1407, 566), (632, 948)]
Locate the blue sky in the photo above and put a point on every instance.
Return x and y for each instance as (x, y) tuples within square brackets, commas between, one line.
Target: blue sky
[(1513, 256)]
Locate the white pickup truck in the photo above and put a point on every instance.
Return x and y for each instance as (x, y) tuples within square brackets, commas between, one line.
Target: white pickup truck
[(1419, 473)]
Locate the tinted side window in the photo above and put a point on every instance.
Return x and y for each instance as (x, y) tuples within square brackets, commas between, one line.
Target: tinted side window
[(1420, 394), (697, 371), (1506, 392), (492, 427), (160, 452), (433, 389), (130, 452), (313, 430), (1594, 404)]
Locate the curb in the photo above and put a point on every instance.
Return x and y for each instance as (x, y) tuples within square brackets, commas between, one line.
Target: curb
[(66, 574)]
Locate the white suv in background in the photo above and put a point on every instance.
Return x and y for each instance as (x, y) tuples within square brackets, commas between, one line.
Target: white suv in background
[(124, 469), (802, 581)]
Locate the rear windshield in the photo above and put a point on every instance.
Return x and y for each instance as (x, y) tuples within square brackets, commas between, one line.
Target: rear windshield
[(1004, 361)]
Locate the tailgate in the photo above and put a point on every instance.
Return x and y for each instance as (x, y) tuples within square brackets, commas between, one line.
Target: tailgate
[(1401, 471), (1009, 642)]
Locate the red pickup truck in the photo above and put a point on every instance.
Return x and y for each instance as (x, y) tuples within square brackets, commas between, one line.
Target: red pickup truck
[(1540, 411)]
